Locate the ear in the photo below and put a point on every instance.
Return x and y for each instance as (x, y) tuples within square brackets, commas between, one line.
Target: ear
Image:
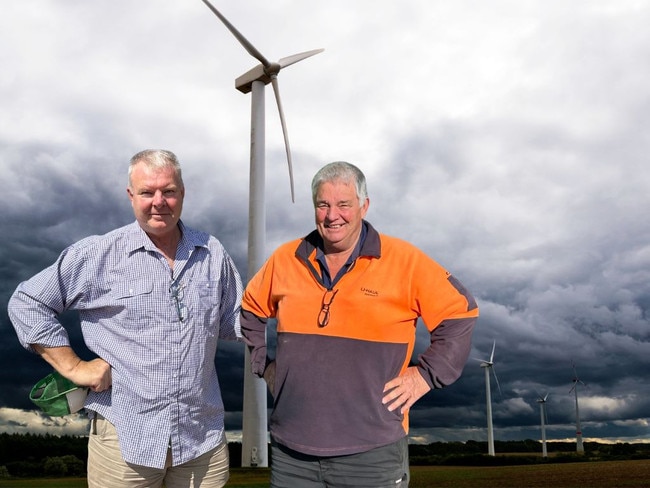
[(364, 208)]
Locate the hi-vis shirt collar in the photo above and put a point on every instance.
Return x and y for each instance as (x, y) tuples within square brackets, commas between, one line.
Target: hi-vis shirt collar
[(370, 247), (312, 245)]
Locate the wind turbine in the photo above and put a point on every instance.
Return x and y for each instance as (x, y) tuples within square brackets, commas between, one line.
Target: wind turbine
[(254, 433), (488, 365), (542, 413), (574, 389)]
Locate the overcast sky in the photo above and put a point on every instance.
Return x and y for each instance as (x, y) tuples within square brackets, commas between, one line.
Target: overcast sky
[(507, 139)]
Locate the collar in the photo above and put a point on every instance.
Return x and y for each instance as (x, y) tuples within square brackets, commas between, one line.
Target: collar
[(190, 239), (369, 246)]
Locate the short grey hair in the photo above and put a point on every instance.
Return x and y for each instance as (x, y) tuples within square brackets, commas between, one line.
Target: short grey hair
[(156, 158), (340, 171)]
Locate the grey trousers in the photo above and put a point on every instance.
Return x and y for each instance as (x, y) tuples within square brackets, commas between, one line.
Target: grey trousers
[(385, 466)]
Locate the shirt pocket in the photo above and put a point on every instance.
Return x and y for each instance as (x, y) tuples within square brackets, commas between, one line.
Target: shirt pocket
[(208, 304), (133, 302), (132, 289)]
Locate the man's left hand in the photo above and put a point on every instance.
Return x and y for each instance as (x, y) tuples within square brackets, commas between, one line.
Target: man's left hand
[(402, 392)]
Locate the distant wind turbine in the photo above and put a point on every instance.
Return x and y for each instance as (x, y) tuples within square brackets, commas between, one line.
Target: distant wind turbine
[(489, 365), (542, 413), (574, 389), (254, 433)]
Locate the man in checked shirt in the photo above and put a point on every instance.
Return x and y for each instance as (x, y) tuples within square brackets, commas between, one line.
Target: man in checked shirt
[(154, 297)]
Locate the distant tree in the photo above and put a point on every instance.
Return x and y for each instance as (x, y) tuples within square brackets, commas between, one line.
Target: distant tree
[(76, 466), (55, 466), (4, 472)]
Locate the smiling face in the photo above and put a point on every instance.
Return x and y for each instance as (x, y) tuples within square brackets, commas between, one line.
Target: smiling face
[(156, 195), (339, 214)]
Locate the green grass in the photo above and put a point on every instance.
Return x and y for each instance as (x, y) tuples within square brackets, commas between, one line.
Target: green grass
[(44, 483), (604, 474), (239, 477), (249, 477)]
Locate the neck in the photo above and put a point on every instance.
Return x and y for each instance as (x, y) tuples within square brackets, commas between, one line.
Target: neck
[(336, 252), (167, 243)]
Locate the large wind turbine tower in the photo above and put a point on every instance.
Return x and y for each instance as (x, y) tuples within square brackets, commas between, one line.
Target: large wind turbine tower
[(574, 389), (254, 430)]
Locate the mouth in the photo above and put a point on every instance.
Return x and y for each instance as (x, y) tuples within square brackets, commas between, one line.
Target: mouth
[(334, 226)]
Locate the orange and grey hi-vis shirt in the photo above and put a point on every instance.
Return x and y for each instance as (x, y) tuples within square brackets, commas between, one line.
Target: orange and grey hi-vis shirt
[(331, 371)]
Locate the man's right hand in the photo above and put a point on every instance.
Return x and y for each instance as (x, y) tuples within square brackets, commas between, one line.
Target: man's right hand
[(94, 374)]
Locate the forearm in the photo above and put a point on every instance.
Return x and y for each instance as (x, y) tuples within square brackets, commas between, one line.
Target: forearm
[(63, 359), (95, 374)]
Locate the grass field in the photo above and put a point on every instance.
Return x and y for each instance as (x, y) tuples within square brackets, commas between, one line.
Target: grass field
[(605, 474)]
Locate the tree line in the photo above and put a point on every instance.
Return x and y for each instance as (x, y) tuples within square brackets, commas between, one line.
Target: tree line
[(36, 455), (528, 451)]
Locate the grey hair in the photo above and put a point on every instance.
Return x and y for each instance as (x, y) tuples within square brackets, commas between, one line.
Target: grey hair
[(341, 171), (156, 158)]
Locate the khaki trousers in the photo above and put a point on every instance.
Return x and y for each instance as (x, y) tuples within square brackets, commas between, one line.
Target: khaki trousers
[(107, 469)]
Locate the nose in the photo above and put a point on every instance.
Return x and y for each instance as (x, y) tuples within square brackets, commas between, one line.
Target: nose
[(331, 213), (158, 199)]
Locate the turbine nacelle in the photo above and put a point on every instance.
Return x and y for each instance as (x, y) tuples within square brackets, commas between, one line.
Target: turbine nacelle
[(575, 379), (267, 72), (489, 363)]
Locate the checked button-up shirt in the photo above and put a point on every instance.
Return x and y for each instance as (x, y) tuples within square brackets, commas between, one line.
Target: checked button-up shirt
[(157, 329)]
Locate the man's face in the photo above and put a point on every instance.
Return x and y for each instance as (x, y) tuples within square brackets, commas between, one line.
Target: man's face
[(157, 199), (339, 215)]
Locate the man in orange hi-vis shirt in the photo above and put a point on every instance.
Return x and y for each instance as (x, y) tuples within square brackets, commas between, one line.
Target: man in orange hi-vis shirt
[(347, 300)]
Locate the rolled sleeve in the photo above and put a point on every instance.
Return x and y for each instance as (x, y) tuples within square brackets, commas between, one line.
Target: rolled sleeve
[(36, 304)]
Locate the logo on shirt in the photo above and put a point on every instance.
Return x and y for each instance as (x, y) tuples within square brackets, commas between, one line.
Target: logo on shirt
[(368, 292)]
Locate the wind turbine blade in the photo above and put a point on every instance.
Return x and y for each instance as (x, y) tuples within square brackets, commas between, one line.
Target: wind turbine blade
[(575, 373), (289, 60), (496, 379), (276, 90), (494, 344), (238, 35)]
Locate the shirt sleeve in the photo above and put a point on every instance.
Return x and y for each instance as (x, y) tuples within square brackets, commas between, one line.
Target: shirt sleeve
[(443, 361), (254, 331), (257, 307), (229, 328), (35, 306), (450, 313)]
